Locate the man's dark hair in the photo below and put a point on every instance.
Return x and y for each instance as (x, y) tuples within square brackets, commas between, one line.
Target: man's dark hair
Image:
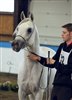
[(68, 27)]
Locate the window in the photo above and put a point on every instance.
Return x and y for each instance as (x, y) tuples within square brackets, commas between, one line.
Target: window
[(6, 5)]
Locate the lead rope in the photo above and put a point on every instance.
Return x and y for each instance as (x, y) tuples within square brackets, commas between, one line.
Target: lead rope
[(48, 77), (41, 70), (40, 79)]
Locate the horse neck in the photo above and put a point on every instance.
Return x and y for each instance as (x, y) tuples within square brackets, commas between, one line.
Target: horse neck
[(36, 44)]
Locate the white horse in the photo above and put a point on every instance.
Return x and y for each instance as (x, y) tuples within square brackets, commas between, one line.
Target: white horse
[(30, 74)]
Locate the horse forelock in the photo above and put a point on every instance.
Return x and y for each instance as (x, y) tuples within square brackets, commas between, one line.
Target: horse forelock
[(24, 20)]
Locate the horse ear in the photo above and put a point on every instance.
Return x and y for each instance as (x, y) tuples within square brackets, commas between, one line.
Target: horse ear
[(31, 16), (22, 15)]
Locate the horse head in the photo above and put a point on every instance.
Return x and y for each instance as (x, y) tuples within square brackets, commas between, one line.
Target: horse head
[(24, 34)]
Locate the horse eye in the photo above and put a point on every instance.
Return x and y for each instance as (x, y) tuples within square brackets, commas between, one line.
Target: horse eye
[(29, 30)]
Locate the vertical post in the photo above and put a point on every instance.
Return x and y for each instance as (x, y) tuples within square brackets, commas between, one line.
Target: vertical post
[(48, 78), (20, 5)]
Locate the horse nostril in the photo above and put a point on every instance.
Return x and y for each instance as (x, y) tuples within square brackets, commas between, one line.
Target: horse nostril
[(15, 43), (15, 46)]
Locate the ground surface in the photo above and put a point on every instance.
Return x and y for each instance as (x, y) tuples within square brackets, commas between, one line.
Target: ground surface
[(8, 95)]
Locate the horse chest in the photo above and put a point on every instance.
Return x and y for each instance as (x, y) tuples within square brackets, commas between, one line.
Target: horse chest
[(30, 76)]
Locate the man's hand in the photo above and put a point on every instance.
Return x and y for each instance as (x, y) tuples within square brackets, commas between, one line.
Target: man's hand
[(34, 57), (50, 61)]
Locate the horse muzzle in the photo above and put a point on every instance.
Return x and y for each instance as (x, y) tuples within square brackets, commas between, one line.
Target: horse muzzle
[(17, 45)]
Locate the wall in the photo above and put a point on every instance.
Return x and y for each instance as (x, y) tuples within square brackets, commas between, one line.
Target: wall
[(6, 26), (11, 60), (49, 16), (71, 10)]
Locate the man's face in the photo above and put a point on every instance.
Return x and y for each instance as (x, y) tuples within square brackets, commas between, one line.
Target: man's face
[(66, 35)]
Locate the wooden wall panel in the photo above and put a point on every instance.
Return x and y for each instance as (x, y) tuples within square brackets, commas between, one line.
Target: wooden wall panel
[(6, 26)]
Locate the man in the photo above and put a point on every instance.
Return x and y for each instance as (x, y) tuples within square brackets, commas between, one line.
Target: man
[(62, 61)]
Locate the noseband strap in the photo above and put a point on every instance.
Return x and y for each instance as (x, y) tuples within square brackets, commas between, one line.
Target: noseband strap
[(21, 37)]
